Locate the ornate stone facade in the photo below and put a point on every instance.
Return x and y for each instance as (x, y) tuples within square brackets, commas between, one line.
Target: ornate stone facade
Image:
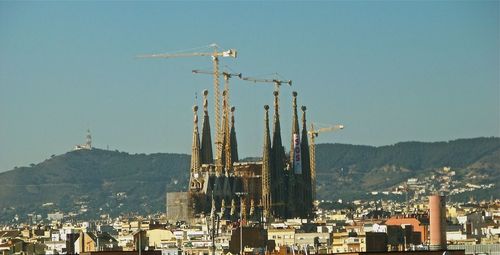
[(279, 186)]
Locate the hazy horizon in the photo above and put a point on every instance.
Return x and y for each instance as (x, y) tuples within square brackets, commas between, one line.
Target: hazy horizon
[(241, 156)]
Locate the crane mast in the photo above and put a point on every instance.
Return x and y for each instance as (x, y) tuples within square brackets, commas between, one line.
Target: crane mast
[(218, 131), (217, 107), (313, 133)]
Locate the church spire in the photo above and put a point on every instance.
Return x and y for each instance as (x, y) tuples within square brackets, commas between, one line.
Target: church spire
[(233, 142), (195, 153), (195, 148), (266, 166), (294, 169), (295, 152), (295, 130), (206, 140), (225, 156), (278, 161), (306, 168)]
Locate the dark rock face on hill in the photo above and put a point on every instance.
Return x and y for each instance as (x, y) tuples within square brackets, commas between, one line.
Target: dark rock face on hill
[(94, 182)]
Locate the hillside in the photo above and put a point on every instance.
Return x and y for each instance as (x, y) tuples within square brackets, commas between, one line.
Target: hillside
[(94, 179), (350, 171), (92, 182)]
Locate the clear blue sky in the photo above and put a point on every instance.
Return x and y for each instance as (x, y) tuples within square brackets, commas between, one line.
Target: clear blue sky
[(389, 71)]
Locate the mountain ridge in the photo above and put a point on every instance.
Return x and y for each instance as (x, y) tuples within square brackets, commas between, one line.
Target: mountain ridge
[(114, 182), (345, 167)]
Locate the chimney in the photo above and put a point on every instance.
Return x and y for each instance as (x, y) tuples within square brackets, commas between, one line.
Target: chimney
[(437, 223)]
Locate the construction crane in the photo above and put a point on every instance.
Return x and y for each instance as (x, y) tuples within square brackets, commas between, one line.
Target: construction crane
[(277, 83), (313, 133), (215, 54), (226, 108)]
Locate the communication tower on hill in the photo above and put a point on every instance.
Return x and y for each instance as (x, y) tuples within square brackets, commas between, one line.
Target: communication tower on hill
[(87, 145), (88, 140)]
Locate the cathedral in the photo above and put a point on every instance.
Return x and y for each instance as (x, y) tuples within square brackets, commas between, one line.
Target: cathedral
[(277, 187)]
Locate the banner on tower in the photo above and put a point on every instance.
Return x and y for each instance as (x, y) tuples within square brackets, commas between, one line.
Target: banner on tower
[(297, 156)]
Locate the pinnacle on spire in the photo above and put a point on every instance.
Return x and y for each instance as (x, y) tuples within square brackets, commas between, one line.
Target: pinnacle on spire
[(212, 209), (304, 126), (252, 208), (223, 209), (266, 166), (206, 139), (205, 101), (195, 148), (233, 142), (276, 121), (232, 213)]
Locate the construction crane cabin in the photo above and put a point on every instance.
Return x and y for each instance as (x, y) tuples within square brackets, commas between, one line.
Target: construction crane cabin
[(215, 54)]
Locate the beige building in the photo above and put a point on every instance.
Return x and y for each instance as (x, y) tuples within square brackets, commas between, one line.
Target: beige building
[(160, 238), (348, 242), (281, 236), (323, 241), (337, 216), (85, 242)]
